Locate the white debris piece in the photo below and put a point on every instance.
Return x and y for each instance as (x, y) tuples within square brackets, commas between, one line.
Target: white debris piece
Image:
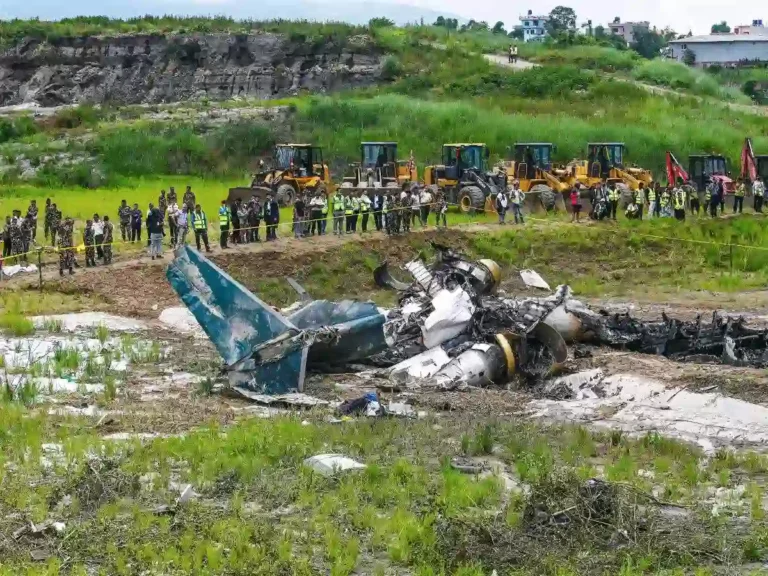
[(74, 322), (640, 405), (532, 279), (9, 271), (295, 399), (181, 319), (452, 313), (330, 464), (422, 365)]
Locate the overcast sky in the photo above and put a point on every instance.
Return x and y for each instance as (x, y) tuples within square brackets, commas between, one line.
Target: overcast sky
[(681, 15)]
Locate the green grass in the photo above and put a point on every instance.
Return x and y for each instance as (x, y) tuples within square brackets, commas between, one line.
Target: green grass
[(678, 76), (589, 57)]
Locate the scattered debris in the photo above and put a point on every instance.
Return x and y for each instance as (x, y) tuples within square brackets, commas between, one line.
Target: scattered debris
[(10, 271), (531, 278), (368, 404), (78, 321), (180, 319), (39, 555), (293, 400), (331, 464), (49, 527)]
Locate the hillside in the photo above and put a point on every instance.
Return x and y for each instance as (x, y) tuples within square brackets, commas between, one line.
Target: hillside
[(208, 91)]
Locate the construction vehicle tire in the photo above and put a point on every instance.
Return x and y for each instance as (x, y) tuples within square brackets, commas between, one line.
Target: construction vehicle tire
[(286, 195), (546, 196), (471, 199)]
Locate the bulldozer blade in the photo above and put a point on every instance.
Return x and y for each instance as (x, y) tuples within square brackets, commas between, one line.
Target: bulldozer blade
[(384, 279), (244, 193), (535, 205)]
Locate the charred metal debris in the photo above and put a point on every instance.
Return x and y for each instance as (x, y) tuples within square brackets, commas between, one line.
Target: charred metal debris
[(451, 328)]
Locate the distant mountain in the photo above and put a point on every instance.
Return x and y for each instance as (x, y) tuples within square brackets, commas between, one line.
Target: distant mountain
[(342, 10)]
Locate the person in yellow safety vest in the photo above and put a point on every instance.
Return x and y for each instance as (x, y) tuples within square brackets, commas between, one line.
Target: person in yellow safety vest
[(365, 208), (707, 198), (678, 201), (200, 226), (338, 213), (348, 211), (640, 199), (613, 200), (738, 197), (323, 212), (225, 221), (651, 202), (664, 203)]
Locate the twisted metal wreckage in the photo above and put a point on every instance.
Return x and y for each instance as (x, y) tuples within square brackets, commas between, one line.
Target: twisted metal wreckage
[(450, 329)]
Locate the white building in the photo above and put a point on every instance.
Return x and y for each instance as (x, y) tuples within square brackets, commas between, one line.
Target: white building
[(722, 49), (755, 29), (534, 27)]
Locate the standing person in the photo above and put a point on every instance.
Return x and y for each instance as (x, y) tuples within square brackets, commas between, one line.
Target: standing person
[(657, 207), (441, 209), (693, 198), (738, 197), (613, 200), (338, 213), (254, 218), (242, 215), (348, 212), (182, 226), (517, 198), (664, 201), (200, 226), (32, 215), (502, 202), (415, 201), (323, 212), (124, 217), (721, 195), (136, 218), (355, 210), (678, 201), (109, 231), (640, 199), (7, 238), (172, 199), (47, 218), (707, 197), (234, 216), (386, 213), (16, 235), (90, 252), (758, 190), (714, 201), (155, 232), (189, 198), (225, 221), (408, 214), (651, 202), (576, 203), (378, 199), (66, 248), (98, 235), (26, 236), (365, 209), (162, 203), (55, 222), (173, 211), (425, 205), (298, 217), (271, 217)]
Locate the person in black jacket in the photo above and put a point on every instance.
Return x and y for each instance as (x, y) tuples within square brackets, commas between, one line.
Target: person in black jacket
[(155, 232), (271, 217), (377, 203)]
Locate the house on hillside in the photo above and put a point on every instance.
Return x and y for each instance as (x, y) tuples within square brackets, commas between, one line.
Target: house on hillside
[(754, 29), (534, 27), (722, 49), (627, 29)]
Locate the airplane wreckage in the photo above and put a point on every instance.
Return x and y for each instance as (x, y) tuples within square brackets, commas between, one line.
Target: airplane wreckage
[(452, 328)]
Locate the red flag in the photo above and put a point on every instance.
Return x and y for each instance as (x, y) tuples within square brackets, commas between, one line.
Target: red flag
[(674, 170), (748, 167)]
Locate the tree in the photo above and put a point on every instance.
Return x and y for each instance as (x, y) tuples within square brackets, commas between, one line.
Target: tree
[(648, 43), (498, 28), (452, 23), (689, 58), (588, 27), (561, 19), (380, 22), (440, 22), (517, 33), (721, 28)]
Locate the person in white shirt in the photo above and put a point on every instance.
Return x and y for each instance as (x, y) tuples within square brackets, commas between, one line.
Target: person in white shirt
[(502, 202), (758, 190), (173, 212), (415, 208), (182, 226), (98, 235), (426, 204), (517, 197), (365, 209)]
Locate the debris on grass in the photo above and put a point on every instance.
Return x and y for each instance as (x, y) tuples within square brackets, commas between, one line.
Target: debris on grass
[(332, 464)]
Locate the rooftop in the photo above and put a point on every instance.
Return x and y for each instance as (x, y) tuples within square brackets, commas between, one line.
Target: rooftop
[(534, 17), (713, 38)]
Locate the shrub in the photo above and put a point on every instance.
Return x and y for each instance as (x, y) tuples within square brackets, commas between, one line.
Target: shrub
[(391, 69)]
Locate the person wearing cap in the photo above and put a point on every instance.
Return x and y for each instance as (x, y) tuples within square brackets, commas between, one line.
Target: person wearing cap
[(516, 199)]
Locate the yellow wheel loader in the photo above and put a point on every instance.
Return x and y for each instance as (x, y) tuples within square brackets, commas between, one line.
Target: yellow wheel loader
[(380, 168), (464, 177), (295, 168), (530, 163)]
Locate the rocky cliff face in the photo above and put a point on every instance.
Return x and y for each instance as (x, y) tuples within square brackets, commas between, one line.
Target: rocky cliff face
[(154, 69)]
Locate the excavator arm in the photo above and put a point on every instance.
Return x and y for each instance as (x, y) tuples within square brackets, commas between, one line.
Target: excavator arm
[(748, 161)]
